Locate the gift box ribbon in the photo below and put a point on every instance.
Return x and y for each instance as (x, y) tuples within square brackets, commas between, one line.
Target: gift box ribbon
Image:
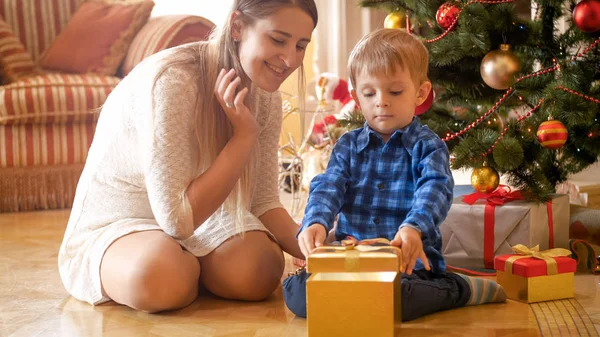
[(546, 255), (354, 247), (499, 197)]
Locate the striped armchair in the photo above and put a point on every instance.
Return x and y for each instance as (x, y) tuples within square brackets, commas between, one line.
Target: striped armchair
[(47, 120)]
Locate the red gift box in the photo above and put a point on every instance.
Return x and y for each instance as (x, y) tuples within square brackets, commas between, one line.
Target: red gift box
[(534, 276), (532, 267)]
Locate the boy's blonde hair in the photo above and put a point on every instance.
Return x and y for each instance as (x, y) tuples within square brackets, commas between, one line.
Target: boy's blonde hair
[(385, 49)]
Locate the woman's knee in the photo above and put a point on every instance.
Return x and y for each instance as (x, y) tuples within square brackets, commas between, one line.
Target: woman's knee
[(165, 281), (157, 276), (248, 268), (259, 274)]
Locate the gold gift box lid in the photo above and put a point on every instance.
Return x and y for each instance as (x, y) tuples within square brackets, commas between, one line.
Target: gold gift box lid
[(358, 258)]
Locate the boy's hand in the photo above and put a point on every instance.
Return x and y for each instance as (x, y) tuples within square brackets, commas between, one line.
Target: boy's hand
[(409, 239), (311, 237)]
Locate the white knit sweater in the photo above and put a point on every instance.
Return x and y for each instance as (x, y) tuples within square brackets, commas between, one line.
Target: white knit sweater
[(139, 165)]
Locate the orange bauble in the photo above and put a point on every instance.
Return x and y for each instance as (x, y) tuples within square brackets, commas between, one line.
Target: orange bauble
[(552, 134)]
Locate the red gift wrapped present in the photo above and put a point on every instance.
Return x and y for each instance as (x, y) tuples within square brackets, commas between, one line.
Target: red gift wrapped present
[(535, 276)]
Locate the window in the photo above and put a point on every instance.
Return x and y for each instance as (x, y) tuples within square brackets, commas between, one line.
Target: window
[(215, 11)]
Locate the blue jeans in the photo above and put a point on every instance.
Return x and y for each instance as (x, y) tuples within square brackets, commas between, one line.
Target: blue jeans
[(423, 293)]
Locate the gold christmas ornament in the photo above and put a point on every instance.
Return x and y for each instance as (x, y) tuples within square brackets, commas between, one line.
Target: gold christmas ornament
[(485, 179), (395, 20), (500, 67)]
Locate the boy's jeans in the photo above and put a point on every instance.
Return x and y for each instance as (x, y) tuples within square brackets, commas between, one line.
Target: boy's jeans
[(423, 293)]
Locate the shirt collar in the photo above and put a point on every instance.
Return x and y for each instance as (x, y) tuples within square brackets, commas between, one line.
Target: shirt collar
[(408, 135)]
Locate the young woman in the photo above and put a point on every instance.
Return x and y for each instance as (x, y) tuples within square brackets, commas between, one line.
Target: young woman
[(180, 186)]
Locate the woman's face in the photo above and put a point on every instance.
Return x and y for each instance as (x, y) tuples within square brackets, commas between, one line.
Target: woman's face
[(271, 49)]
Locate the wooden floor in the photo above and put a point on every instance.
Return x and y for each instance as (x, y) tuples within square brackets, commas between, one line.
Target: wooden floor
[(33, 302)]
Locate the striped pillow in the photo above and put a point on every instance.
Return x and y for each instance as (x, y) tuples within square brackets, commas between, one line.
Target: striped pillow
[(97, 37), (15, 61), (164, 32), (37, 22)]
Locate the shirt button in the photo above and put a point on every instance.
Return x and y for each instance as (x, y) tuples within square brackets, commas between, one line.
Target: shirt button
[(380, 186), (376, 221)]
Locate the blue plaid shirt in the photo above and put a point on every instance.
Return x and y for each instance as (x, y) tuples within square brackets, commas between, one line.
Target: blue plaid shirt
[(376, 188)]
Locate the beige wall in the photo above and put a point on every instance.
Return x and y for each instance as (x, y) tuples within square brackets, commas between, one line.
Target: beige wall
[(290, 87)]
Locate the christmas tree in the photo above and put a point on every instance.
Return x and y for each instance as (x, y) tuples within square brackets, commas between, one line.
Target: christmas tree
[(512, 95)]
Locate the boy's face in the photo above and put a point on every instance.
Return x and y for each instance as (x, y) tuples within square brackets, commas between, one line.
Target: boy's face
[(388, 101)]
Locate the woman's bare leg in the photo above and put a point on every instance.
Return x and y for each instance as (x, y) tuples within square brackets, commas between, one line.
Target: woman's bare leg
[(245, 268), (149, 271)]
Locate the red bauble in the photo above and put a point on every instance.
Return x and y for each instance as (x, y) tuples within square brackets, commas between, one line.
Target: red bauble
[(319, 128), (421, 109), (552, 134), (446, 14), (586, 15)]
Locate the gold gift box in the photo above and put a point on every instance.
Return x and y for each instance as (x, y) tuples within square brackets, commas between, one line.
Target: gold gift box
[(354, 292), (533, 276), (537, 289)]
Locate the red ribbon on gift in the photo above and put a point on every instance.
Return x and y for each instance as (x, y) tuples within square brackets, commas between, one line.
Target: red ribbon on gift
[(550, 225), (499, 197)]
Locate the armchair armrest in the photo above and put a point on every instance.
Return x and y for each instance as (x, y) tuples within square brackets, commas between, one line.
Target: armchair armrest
[(164, 32), (15, 61)]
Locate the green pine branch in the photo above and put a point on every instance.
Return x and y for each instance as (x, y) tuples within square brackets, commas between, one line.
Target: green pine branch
[(352, 120)]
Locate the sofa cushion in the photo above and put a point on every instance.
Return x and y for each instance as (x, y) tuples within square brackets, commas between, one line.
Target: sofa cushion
[(53, 98), (15, 61), (164, 32), (37, 22), (97, 37)]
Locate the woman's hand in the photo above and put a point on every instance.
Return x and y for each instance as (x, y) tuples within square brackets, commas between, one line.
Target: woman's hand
[(233, 104)]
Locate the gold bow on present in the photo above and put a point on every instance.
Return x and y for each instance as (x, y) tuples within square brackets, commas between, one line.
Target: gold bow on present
[(367, 245), (546, 255), (354, 247)]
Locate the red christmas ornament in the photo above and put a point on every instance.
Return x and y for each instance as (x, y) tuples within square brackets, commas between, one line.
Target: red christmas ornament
[(446, 14), (327, 120), (421, 109), (586, 15), (552, 134)]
